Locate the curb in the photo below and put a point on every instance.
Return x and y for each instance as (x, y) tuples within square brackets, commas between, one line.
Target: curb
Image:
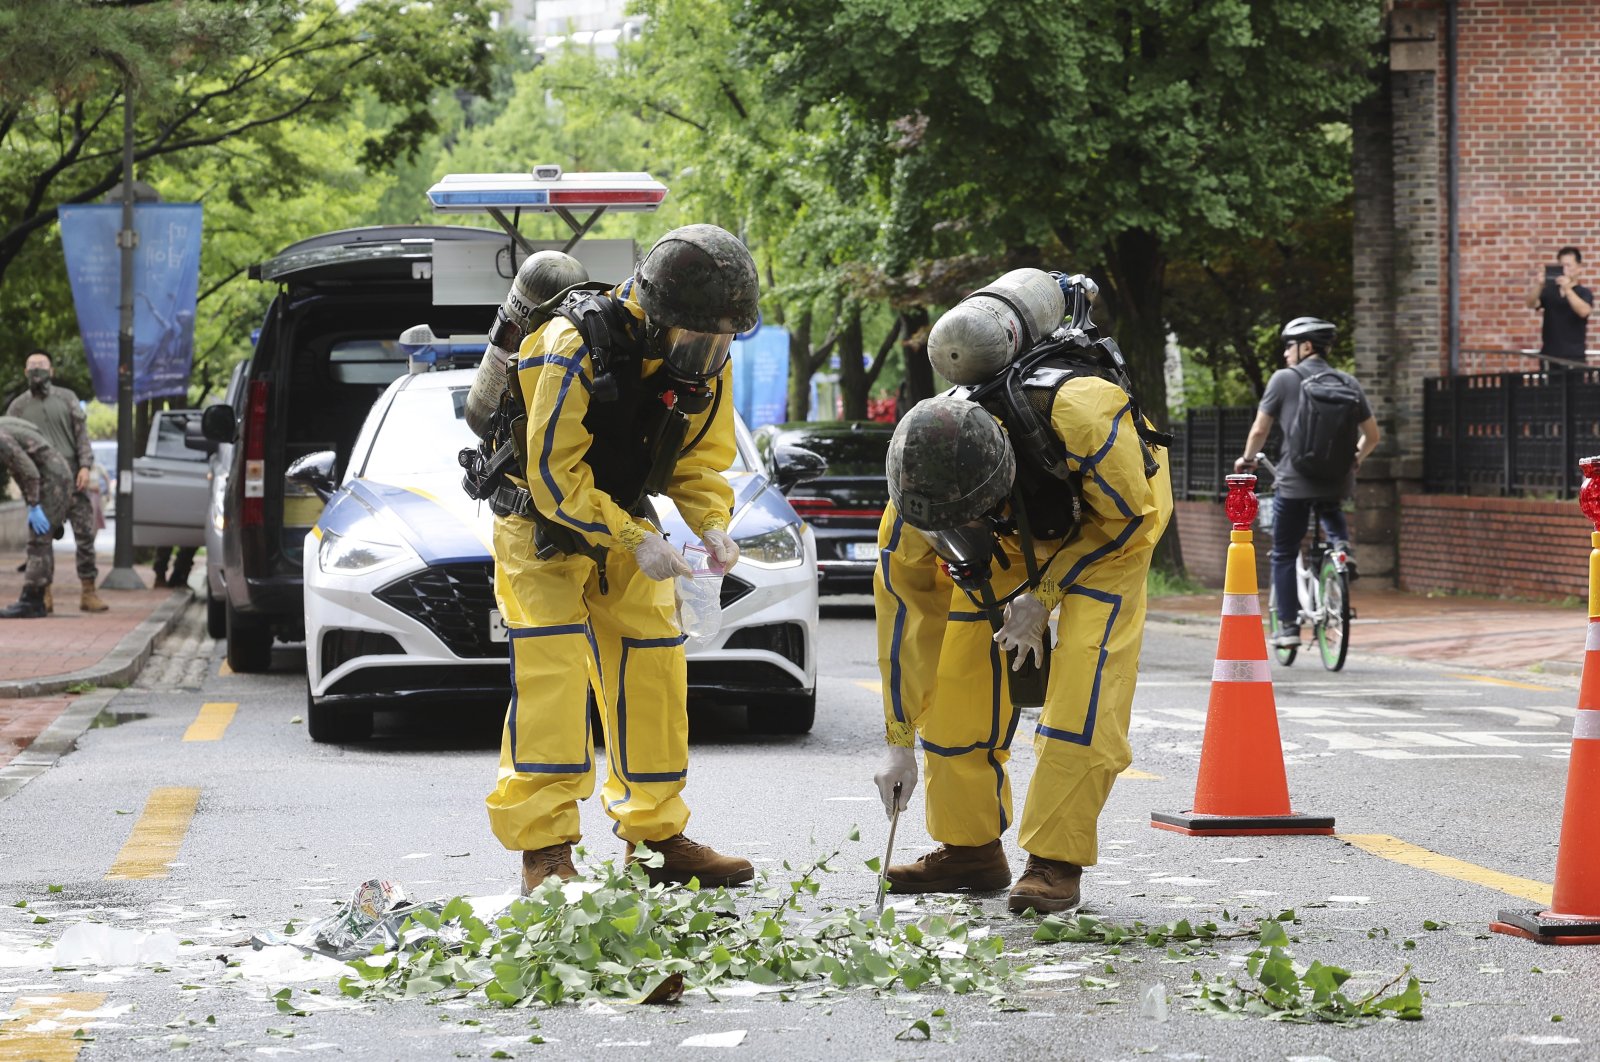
[(54, 741), (118, 667)]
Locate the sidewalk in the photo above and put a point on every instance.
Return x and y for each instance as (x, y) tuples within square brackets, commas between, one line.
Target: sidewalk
[(1475, 632), (47, 666)]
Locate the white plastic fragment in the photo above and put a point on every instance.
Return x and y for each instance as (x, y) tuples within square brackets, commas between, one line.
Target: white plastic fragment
[(94, 944), (732, 1038), (1153, 1002)]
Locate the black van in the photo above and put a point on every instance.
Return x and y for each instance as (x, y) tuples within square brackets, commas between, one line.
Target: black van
[(327, 350)]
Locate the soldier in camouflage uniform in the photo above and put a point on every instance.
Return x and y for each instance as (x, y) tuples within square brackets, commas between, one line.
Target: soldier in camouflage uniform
[(46, 484), (55, 412)]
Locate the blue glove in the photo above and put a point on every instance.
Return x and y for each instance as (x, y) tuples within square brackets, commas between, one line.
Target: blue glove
[(38, 522)]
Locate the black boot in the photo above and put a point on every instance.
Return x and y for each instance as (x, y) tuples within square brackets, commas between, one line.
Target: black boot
[(29, 606)]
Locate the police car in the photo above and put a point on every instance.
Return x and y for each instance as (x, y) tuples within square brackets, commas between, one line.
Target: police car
[(399, 578)]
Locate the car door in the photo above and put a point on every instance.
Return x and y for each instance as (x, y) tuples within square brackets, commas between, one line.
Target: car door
[(171, 485)]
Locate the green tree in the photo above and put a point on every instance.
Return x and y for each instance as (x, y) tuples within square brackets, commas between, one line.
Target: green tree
[(1228, 303), (1121, 133), (268, 111)]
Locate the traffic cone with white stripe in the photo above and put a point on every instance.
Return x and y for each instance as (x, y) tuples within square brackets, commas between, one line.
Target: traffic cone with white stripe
[(1242, 789), (1574, 913)]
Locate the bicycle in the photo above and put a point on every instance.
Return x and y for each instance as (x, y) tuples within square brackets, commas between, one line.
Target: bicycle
[(1322, 583)]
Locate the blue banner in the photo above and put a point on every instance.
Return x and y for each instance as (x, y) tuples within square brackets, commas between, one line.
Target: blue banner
[(761, 376), (166, 281)]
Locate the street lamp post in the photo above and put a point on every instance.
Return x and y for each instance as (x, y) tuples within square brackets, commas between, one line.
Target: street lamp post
[(122, 576)]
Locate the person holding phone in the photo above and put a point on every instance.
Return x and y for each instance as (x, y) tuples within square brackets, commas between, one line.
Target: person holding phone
[(1566, 305)]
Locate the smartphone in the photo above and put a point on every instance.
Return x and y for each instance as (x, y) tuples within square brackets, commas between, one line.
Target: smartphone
[(1553, 271)]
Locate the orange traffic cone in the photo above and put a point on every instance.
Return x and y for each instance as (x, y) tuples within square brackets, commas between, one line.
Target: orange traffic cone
[(1242, 789), (1574, 914)]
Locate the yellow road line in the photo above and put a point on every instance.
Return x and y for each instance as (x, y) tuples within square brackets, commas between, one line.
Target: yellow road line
[(224, 671), (1508, 682), (870, 685), (54, 1045), (212, 721), (157, 835), (1411, 855), (1135, 775)]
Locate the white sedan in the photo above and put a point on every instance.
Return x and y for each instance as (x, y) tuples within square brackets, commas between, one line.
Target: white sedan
[(399, 580)]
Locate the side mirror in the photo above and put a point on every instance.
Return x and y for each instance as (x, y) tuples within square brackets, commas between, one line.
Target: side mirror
[(194, 437), (218, 424), (315, 470), (794, 465)]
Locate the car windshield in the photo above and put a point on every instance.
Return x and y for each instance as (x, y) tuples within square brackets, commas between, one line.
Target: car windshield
[(423, 430), (847, 455)]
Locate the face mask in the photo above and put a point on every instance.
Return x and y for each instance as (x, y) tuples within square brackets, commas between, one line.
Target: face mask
[(37, 378), (693, 355)]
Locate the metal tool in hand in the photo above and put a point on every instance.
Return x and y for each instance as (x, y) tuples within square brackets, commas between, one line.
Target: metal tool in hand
[(883, 869)]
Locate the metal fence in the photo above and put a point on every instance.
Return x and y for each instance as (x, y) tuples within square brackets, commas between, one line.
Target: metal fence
[(1511, 433), (1204, 444)]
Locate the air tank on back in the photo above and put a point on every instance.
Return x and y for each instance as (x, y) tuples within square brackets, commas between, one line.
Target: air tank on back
[(543, 275), (984, 332)]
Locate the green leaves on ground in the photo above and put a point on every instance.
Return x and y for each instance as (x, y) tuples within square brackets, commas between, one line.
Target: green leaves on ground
[(1276, 989), (616, 937), (1282, 991)]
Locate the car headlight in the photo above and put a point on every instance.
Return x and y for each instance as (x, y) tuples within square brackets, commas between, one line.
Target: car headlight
[(773, 549), (347, 554)]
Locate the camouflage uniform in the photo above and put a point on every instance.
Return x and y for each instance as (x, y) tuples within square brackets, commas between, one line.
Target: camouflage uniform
[(46, 481), (56, 414)]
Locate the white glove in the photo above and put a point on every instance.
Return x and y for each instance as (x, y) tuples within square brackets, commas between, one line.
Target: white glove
[(724, 550), (1026, 619), (659, 561), (899, 765)]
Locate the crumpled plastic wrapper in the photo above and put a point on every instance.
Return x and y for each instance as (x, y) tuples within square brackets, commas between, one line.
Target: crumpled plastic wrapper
[(373, 916)]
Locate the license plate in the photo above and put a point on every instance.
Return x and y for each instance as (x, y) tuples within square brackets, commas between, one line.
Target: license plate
[(497, 627), (862, 551)]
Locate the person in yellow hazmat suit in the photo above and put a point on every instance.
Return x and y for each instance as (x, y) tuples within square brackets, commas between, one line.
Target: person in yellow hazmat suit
[(627, 394), (1040, 496)]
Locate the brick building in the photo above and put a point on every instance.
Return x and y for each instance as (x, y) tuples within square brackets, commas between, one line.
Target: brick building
[(1522, 120)]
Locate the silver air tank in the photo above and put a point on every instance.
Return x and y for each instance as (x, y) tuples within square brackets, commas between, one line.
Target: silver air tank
[(984, 332), (543, 275)]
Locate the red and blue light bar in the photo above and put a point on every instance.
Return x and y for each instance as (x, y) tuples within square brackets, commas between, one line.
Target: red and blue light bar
[(546, 190)]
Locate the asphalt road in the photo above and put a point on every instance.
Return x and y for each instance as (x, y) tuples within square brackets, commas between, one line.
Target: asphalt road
[(1469, 767)]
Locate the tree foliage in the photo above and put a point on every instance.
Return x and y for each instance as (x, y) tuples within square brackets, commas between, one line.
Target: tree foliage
[(1119, 133), (241, 101)]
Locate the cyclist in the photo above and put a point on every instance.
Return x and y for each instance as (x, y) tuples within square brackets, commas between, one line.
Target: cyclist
[(1306, 341)]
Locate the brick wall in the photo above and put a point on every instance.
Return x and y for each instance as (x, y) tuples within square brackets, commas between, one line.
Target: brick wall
[(1203, 531), (1498, 546), (1528, 129)]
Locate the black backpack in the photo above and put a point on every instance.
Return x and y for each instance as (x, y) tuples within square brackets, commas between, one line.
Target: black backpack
[(1322, 442)]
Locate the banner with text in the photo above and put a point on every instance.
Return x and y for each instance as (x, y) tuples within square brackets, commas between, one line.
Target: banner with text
[(761, 375), (166, 283)]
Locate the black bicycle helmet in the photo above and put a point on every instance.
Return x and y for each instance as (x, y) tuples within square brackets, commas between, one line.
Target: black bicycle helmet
[(1313, 330)]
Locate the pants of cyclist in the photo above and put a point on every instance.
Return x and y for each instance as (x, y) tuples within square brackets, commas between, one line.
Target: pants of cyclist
[(1290, 519)]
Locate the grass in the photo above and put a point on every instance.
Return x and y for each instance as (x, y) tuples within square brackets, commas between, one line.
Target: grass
[(1160, 583)]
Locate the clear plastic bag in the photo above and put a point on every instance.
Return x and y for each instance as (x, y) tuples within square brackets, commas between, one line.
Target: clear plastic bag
[(699, 594)]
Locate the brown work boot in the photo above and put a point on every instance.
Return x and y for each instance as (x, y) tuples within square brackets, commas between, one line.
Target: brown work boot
[(952, 867), (544, 863), (90, 602), (685, 859), (49, 600), (1047, 885)]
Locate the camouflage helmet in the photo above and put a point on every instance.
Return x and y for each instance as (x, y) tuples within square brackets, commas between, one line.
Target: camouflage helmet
[(949, 464), (700, 278)]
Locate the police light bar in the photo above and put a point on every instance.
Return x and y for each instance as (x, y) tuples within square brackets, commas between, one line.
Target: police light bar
[(546, 190), (425, 351)]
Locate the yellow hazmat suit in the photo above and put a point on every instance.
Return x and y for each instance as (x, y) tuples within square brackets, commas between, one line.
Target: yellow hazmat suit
[(567, 637), (944, 678)]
